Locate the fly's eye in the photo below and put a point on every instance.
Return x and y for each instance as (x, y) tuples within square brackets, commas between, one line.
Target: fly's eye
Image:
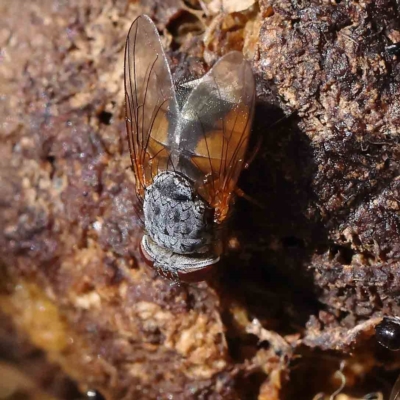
[(388, 333)]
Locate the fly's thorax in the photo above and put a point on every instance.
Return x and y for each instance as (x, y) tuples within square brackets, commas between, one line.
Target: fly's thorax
[(176, 218)]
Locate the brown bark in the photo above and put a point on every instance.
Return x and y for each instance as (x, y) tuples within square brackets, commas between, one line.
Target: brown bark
[(306, 278)]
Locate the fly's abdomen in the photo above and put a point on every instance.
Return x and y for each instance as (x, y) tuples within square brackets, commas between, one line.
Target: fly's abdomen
[(175, 217)]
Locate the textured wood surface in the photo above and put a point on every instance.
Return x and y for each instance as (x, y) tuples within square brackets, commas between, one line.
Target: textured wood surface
[(305, 278)]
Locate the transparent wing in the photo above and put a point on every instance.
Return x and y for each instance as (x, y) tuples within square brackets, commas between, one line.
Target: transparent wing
[(151, 106), (214, 128)]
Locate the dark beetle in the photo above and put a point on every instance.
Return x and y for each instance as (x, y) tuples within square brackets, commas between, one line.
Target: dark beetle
[(388, 333)]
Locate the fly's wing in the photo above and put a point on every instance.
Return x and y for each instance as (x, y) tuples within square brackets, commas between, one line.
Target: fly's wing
[(214, 129), (151, 106)]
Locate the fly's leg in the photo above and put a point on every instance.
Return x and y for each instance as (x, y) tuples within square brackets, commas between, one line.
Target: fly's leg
[(240, 193), (253, 153)]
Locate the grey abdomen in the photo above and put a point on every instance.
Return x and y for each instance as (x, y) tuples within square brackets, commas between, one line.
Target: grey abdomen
[(176, 218)]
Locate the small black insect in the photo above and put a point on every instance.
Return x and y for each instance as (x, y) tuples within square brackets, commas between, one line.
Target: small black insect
[(393, 49), (388, 333), (94, 395)]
